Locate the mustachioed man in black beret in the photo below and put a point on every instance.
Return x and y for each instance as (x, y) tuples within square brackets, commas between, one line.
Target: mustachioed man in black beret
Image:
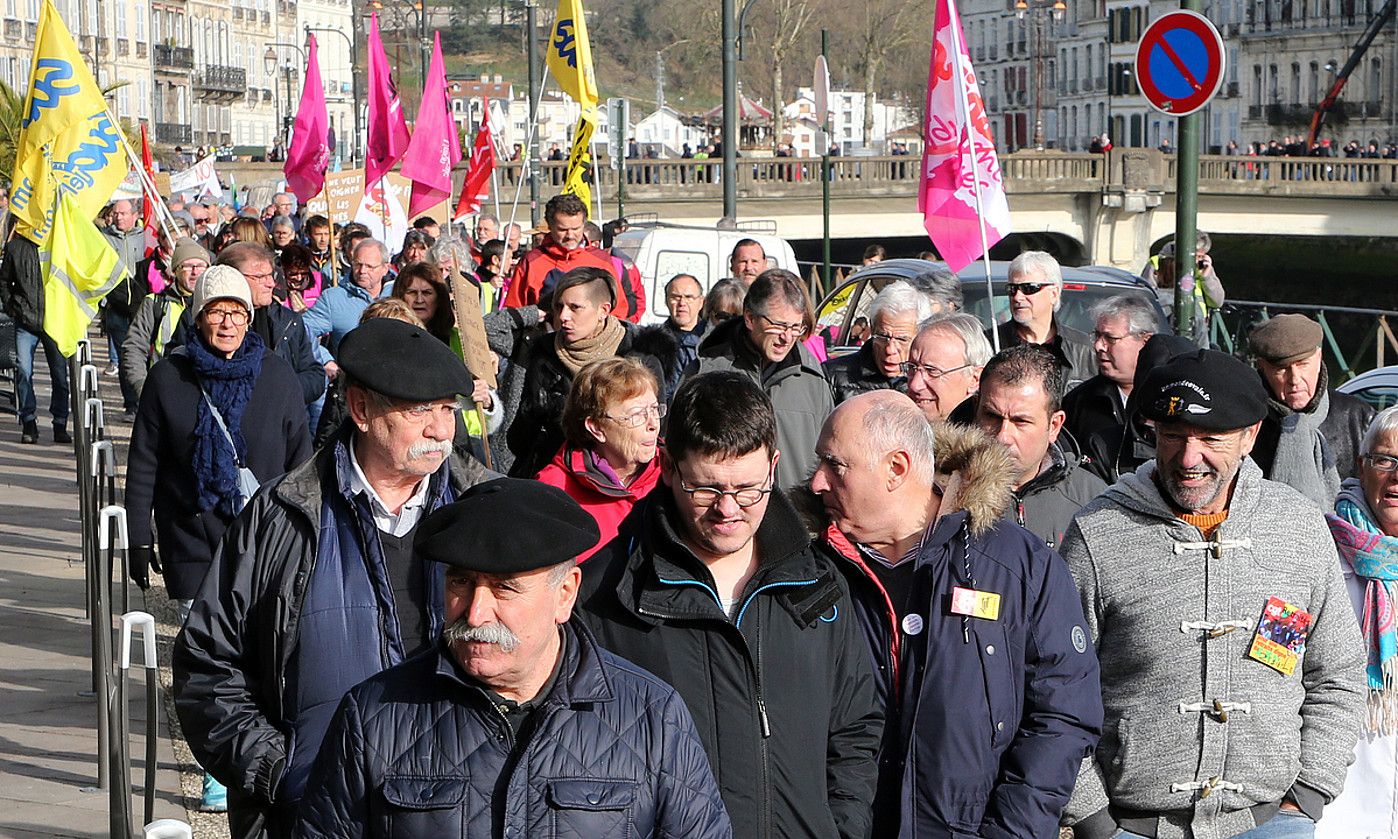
[(517, 723), (316, 587)]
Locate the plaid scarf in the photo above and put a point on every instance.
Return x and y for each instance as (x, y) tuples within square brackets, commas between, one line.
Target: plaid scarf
[(1374, 558)]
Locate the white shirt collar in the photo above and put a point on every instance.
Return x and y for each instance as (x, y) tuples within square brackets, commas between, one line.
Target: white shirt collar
[(394, 524)]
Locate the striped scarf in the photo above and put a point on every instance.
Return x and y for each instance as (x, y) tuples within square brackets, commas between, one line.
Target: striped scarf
[(1374, 558)]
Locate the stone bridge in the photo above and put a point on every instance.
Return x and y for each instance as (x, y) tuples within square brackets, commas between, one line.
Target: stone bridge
[(1103, 209)]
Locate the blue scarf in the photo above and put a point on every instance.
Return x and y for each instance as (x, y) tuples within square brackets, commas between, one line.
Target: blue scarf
[(1373, 557), (229, 383)]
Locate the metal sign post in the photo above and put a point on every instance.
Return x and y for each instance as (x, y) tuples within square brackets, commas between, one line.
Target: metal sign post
[(1180, 64), (822, 103)]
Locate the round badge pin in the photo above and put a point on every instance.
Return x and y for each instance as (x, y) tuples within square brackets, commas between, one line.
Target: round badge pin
[(912, 624), (1079, 639)]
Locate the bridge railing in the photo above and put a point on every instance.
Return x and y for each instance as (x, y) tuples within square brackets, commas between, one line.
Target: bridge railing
[(702, 180), (1298, 176), (1355, 339)]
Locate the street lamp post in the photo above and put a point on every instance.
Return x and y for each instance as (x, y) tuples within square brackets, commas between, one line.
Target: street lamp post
[(354, 83), (269, 60), (1039, 14)]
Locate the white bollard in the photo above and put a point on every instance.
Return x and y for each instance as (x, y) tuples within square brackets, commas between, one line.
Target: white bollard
[(93, 417), (167, 829)]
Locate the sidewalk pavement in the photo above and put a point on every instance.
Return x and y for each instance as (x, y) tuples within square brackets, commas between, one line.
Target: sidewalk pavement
[(48, 729)]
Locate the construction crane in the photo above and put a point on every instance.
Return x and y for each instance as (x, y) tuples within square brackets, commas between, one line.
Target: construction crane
[(1361, 46)]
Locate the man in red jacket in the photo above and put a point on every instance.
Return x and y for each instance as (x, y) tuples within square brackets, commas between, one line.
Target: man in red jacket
[(564, 248)]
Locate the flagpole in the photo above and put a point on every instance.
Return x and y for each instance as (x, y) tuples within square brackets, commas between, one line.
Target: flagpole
[(167, 221), (958, 49), (528, 143)]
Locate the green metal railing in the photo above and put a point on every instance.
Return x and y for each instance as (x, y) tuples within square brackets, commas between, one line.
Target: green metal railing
[(1365, 331)]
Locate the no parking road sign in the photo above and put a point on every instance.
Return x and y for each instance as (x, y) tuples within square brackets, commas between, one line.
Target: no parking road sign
[(1180, 63)]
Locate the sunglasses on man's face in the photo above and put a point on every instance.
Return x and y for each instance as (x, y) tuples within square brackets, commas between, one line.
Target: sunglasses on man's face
[(1027, 289)]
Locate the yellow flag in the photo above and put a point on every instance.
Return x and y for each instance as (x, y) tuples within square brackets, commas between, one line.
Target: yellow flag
[(570, 57), (68, 143), (79, 269), (578, 181)]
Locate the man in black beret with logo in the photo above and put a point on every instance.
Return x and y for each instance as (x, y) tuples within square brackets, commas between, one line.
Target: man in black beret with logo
[(315, 586), (516, 723), (1311, 437), (1231, 662)]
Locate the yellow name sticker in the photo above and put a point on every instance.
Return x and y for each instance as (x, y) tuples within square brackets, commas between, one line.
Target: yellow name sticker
[(977, 604)]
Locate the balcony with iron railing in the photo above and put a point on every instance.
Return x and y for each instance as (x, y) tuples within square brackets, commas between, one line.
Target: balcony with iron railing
[(173, 133), (221, 82), (172, 59)]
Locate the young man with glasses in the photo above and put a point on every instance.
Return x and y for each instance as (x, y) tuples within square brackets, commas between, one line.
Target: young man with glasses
[(766, 345), (1035, 288), (722, 596)]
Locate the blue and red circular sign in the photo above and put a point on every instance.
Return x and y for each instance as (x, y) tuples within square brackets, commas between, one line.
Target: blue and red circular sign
[(1180, 63)]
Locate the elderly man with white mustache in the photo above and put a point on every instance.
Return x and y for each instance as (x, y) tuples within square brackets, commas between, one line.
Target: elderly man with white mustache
[(315, 586)]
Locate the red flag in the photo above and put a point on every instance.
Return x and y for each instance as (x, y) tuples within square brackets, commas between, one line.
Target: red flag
[(388, 132), (309, 155), (477, 186), (434, 148), (151, 223), (962, 193)]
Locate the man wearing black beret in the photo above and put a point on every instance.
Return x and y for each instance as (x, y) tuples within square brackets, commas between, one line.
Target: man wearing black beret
[(315, 586), (516, 723), (1231, 662)]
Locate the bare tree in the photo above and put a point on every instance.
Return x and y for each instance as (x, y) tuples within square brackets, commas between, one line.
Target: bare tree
[(782, 31), (884, 30)]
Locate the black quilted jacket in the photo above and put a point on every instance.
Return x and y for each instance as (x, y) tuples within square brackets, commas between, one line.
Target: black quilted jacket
[(418, 751)]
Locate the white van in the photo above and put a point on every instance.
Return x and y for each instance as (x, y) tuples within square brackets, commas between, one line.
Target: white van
[(661, 251)]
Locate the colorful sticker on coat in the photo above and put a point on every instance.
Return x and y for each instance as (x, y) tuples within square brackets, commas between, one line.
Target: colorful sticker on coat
[(1281, 635), (977, 604)]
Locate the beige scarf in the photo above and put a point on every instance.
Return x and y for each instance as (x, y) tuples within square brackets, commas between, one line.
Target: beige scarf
[(599, 346)]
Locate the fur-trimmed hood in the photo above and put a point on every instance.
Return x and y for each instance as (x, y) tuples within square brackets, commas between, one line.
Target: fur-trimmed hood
[(974, 473)]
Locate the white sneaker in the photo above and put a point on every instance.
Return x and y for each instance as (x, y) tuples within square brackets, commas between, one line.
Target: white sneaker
[(111, 370)]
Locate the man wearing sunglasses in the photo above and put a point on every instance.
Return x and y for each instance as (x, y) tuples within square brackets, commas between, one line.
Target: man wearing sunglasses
[(1035, 289), (722, 596)]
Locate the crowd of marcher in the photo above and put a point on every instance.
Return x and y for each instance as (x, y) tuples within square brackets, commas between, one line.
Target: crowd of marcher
[(733, 585)]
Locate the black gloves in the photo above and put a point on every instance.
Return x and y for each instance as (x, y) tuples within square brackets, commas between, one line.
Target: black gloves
[(141, 560)]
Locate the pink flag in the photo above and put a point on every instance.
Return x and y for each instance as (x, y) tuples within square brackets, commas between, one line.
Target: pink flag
[(477, 186), (434, 148), (961, 194), (309, 155), (388, 132)]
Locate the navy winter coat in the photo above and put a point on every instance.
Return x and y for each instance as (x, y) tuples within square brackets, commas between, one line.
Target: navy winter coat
[(420, 751), (987, 720)]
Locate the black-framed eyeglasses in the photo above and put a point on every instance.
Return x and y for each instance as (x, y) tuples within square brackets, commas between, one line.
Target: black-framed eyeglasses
[(930, 371), (776, 327), (639, 416), (1027, 289), (709, 496), (237, 317), (1381, 462)]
